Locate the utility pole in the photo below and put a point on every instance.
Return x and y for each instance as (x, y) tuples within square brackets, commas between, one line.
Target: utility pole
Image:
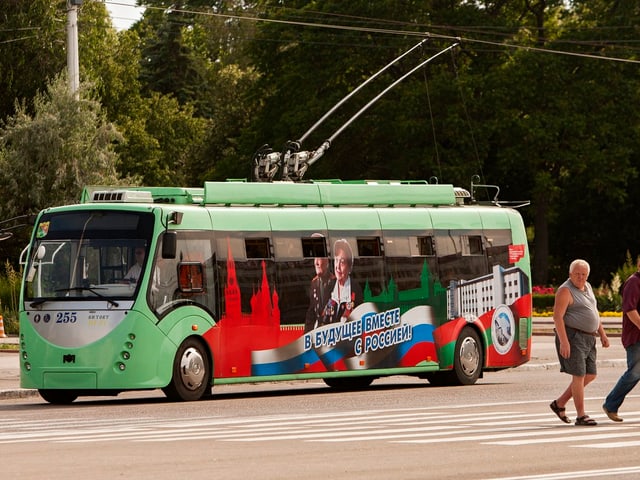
[(73, 63)]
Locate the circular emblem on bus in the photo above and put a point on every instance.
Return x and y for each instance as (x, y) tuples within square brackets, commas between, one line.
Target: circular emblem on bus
[(502, 329)]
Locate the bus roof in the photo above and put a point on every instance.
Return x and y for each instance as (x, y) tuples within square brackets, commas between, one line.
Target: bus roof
[(316, 193)]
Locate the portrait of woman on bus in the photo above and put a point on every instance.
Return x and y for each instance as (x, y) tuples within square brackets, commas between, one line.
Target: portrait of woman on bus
[(346, 293)]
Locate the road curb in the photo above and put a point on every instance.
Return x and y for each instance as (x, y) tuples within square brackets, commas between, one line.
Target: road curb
[(17, 393), (620, 362)]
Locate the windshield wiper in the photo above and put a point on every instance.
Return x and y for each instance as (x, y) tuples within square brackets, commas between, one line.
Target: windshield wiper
[(38, 301), (88, 289)]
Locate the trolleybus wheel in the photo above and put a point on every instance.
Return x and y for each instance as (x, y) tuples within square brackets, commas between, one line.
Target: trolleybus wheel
[(468, 357), (348, 383), (191, 372), (468, 360), (58, 397)]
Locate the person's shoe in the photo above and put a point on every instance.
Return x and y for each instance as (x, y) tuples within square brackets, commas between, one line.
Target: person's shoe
[(612, 415)]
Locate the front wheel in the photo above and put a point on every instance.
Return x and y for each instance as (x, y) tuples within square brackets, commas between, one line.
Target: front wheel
[(58, 397), (191, 372)]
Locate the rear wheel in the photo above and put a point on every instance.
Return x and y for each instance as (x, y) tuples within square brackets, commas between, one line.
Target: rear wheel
[(468, 357), (191, 372), (58, 397)]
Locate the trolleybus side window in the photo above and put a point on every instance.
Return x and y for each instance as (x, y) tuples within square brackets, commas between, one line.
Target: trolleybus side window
[(314, 247), (426, 246), (369, 247), (474, 245), (189, 275), (498, 242), (257, 247)]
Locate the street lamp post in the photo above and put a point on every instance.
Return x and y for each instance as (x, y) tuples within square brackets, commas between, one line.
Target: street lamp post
[(73, 63)]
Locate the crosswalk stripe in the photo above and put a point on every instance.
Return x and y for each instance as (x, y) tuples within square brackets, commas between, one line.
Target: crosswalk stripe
[(575, 474), (410, 426)]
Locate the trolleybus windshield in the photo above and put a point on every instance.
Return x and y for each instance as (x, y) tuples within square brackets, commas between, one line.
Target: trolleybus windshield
[(88, 254)]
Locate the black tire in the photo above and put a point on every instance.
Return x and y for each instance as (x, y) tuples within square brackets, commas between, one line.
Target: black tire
[(58, 397), (348, 383), (191, 378), (468, 360), (468, 357)]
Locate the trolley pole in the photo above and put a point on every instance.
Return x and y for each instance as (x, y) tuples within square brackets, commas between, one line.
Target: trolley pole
[(73, 63)]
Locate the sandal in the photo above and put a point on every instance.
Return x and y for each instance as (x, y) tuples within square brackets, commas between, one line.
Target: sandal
[(560, 412), (586, 420)]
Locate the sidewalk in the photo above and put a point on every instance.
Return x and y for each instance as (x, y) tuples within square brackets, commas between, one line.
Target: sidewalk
[(10, 371), (543, 356)]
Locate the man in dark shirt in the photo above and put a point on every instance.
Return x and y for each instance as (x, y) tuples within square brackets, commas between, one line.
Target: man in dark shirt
[(631, 343)]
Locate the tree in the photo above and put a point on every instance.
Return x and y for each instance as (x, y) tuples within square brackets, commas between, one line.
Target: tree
[(196, 57), (109, 60), (162, 140), (46, 158), (560, 134), (32, 39)]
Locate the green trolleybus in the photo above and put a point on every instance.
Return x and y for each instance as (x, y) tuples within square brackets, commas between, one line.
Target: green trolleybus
[(184, 288)]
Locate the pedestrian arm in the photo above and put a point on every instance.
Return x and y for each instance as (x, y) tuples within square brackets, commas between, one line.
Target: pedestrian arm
[(634, 316), (562, 302), (604, 339)]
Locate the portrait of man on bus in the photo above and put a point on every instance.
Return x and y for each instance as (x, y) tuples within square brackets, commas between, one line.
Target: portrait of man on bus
[(346, 293), (320, 290)]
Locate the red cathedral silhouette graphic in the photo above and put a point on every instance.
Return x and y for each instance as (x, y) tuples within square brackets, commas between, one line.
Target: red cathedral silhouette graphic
[(238, 333)]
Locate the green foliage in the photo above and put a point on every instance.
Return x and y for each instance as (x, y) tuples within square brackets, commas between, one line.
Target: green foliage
[(48, 157), (9, 297), (163, 140), (31, 37), (610, 295), (543, 302)]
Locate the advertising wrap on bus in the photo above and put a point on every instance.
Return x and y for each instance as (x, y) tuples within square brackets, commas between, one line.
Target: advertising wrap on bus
[(354, 329)]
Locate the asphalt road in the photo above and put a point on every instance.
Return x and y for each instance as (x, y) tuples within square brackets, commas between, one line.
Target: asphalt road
[(501, 428)]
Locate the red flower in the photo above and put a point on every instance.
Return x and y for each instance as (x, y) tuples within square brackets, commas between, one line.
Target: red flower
[(542, 290)]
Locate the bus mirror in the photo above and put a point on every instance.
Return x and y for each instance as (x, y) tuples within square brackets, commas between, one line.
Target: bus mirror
[(39, 255), (169, 242)]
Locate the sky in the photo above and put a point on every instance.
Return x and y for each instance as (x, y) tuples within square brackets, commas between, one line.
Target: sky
[(123, 13)]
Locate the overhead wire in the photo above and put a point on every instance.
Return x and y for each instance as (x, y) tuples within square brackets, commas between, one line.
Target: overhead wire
[(403, 32)]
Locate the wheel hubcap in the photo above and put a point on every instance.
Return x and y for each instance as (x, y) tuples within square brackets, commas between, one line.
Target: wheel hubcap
[(192, 368), (469, 356)]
